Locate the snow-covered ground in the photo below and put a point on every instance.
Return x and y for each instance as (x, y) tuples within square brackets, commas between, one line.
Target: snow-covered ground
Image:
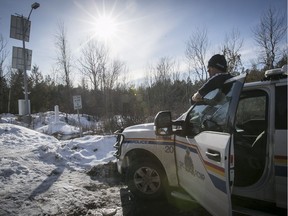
[(41, 175)]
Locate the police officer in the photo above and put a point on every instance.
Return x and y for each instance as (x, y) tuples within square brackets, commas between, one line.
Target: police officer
[(217, 69)]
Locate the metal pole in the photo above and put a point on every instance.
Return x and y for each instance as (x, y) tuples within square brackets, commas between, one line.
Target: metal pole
[(24, 30), (80, 127), (24, 69)]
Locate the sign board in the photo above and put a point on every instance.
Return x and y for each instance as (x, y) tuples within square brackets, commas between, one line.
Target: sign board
[(18, 60), (17, 29), (77, 101)]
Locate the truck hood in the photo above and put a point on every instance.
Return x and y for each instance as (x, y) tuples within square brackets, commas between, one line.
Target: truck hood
[(140, 131), (148, 126)]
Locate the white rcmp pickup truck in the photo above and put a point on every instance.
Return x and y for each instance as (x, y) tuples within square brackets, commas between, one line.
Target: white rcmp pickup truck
[(227, 153)]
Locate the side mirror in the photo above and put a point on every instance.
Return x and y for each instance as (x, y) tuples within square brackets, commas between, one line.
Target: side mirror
[(163, 123)]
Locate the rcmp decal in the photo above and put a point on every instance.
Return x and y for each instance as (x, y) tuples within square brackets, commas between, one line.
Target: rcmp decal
[(215, 173), (188, 166)]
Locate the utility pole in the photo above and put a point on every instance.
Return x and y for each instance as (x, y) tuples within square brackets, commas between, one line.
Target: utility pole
[(24, 29), (24, 36)]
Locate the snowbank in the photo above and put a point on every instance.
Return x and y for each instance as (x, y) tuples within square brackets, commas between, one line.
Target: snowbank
[(37, 171)]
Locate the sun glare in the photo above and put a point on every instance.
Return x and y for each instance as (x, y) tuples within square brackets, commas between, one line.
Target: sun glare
[(105, 27), (104, 23)]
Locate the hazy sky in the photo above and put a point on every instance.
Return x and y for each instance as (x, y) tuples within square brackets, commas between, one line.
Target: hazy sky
[(138, 32)]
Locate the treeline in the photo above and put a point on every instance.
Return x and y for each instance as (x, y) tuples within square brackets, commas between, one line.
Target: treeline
[(133, 104)]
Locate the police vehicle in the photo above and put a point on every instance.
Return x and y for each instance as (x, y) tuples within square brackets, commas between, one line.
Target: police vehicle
[(228, 153)]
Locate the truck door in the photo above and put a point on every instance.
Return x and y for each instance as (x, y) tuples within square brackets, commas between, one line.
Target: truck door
[(204, 154)]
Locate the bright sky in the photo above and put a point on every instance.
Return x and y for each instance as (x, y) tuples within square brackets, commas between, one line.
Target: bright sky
[(138, 32)]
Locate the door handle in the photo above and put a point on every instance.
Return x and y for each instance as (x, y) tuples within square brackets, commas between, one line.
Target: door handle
[(213, 155)]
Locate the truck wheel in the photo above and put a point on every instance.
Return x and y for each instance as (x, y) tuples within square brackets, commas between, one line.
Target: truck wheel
[(146, 180)]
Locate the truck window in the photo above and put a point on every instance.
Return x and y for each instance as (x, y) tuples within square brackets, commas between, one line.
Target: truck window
[(250, 140), (281, 107), (211, 114), (251, 112)]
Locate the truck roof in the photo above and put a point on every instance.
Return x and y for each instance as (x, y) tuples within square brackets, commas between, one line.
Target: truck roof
[(273, 76)]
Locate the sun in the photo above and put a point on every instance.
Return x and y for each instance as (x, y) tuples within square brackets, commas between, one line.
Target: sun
[(103, 23), (105, 27)]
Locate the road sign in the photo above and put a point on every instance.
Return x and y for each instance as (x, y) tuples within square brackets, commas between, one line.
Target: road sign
[(77, 101), (17, 58), (16, 28)]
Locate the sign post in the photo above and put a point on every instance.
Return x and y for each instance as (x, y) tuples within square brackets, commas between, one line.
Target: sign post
[(77, 102)]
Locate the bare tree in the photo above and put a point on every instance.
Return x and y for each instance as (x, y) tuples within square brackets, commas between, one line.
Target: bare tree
[(93, 62), (64, 58), (268, 35), (231, 50), (3, 54), (64, 64), (148, 79), (196, 49), (109, 78), (112, 75), (3, 81), (164, 71), (101, 71), (160, 78)]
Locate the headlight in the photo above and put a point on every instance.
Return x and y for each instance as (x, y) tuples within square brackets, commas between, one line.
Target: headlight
[(118, 144)]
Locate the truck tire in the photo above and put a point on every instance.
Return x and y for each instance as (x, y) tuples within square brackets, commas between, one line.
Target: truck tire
[(146, 180)]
